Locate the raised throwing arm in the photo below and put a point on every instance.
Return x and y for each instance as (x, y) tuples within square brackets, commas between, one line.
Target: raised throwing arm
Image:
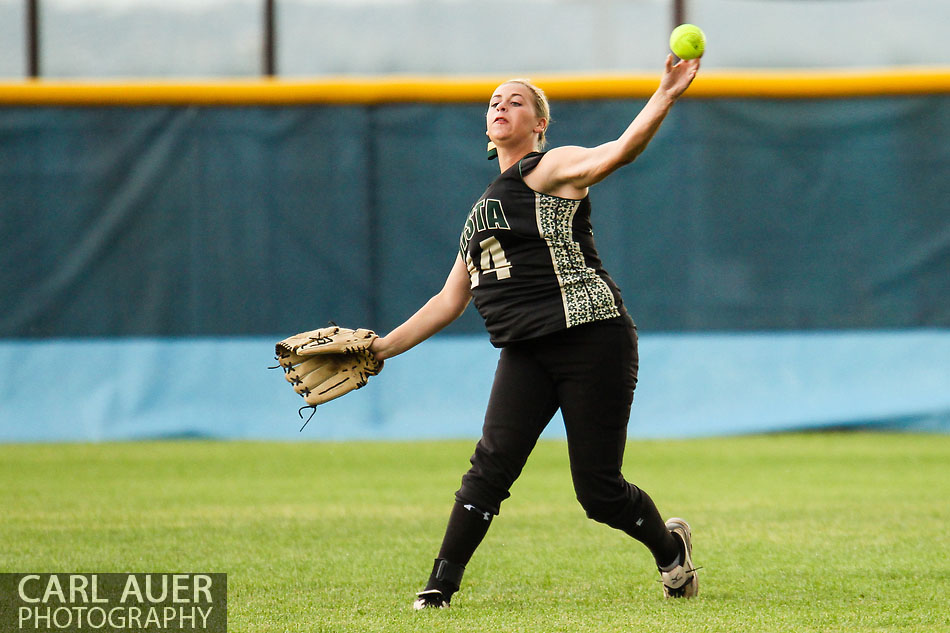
[(568, 171)]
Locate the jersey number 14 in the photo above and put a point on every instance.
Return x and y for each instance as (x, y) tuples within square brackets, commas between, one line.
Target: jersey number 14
[(493, 260)]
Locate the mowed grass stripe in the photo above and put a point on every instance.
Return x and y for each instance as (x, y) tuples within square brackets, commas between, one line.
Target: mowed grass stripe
[(809, 532)]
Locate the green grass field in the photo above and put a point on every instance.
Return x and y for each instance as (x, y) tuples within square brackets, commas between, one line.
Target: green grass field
[(825, 532)]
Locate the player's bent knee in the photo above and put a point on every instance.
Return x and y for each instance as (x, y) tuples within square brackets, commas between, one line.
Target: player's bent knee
[(606, 501), (600, 510)]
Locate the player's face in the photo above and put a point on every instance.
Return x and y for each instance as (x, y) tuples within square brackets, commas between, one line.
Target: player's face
[(511, 114)]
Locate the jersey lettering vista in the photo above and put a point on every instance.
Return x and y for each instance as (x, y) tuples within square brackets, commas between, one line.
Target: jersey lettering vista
[(532, 260)]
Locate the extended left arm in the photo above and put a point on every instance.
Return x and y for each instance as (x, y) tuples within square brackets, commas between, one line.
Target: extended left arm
[(575, 168)]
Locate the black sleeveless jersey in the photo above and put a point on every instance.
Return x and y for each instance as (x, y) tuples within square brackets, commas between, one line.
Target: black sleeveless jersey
[(532, 260)]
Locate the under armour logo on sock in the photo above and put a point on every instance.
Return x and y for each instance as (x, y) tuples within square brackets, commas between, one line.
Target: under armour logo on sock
[(471, 508)]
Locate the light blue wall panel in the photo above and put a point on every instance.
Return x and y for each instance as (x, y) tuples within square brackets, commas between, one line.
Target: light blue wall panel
[(691, 385)]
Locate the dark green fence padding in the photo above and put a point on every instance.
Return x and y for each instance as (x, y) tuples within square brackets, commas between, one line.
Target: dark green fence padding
[(743, 214)]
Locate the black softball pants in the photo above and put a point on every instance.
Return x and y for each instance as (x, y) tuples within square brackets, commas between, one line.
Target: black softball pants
[(590, 373)]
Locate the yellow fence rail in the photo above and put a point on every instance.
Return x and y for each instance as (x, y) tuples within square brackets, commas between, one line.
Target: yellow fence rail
[(433, 89)]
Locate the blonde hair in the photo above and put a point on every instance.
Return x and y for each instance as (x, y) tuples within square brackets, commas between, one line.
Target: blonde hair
[(541, 106)]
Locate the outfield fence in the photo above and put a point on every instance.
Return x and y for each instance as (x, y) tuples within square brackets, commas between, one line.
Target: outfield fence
[(155, 233), (789, 84)]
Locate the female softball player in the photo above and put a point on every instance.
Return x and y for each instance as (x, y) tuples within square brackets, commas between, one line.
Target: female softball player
[(528, 259)]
